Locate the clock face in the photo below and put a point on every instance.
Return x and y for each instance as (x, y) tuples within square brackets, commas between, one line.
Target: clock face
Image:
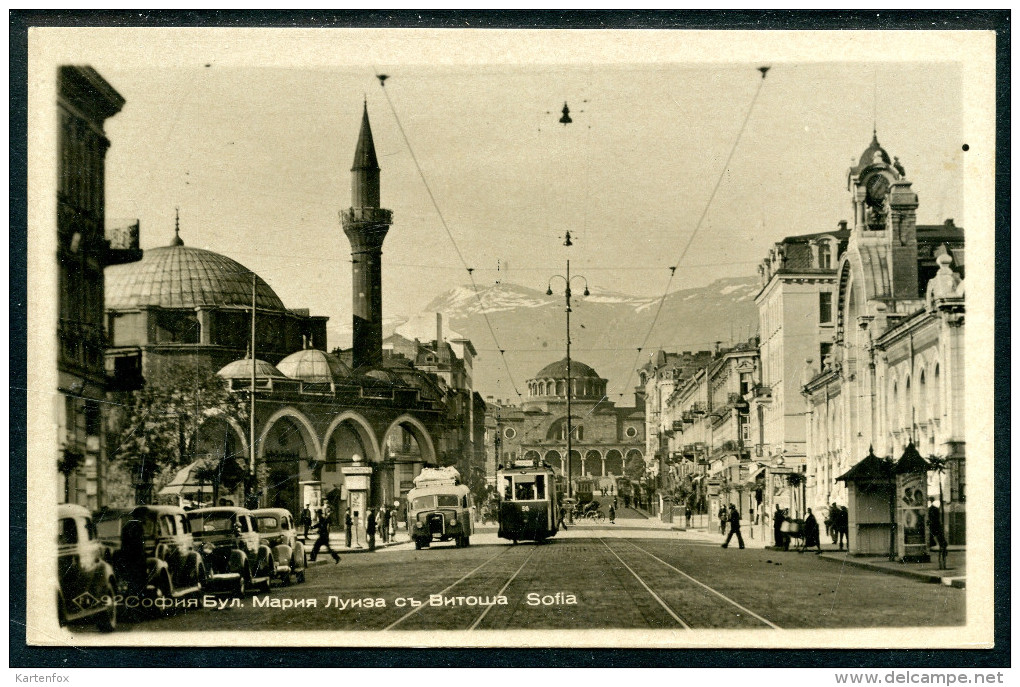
[(878, 187)]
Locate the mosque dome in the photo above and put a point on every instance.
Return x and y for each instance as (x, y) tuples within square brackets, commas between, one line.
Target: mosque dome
[(178, 276), (313, 365), (558, 370), (241, 369)]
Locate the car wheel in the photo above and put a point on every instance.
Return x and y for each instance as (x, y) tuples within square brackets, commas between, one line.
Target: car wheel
[(417, 544), (241, 587), (467, 542), (266, 586), (301, 576), (107, 620)]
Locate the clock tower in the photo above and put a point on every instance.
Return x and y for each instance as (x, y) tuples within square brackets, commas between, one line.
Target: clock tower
[(885, 223), (366, 224)]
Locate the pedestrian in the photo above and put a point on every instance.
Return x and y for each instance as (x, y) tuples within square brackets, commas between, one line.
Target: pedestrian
[(612, 513), (393, 524), (348, 523), (563, 516), (722, 519), (812, 537), (777, 527), (616, 502), (830, 525), (734, 527), (384, 524), (843, 525), (370, 530), (306, 519), (937, 533), (323, 539), (688, 514)]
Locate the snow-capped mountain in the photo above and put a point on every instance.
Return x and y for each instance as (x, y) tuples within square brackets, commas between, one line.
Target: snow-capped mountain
[(607, 328)]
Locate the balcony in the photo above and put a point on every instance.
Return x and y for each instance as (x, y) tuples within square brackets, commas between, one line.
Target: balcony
[(122, 243)]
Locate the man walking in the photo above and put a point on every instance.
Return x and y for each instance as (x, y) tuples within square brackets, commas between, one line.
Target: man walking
[(734, 528), (612, 514), (937, 533), (348, 523), (812, 536), (323, 540), (777, 527), (563, 517), (843, 527)]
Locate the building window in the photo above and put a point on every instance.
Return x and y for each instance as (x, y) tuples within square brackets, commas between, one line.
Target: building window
[(631, 432), (510, 432), (825, 307), (825, 350), (824, 256)]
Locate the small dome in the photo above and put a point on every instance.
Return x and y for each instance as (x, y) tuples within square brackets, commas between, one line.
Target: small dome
[(873, 154), (241, 369), (313, 365), (178, 276), (558, 370)]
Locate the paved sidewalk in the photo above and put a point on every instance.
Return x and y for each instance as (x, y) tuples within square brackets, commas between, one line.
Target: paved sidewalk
[(954, 576)]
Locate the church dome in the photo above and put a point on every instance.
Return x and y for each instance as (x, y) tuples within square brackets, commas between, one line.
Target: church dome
[(558, 370), (313, 365), (241, 369), (178, 276)]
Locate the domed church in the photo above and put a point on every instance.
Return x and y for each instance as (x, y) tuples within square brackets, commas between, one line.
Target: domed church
[(605, 438)]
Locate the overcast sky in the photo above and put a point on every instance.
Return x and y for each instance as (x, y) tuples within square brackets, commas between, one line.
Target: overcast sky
[(255, 146)]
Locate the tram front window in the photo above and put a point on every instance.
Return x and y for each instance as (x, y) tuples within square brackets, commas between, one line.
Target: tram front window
[(540, 487), (508, 492), (524, 491)]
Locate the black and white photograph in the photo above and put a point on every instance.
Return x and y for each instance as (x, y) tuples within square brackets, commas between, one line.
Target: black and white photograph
[(459, 338)]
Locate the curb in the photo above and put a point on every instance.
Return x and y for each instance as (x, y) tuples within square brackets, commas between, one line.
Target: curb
[(923, 576)]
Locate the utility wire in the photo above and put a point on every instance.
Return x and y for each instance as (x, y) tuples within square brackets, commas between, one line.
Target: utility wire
[(697, 227), (446, 227)]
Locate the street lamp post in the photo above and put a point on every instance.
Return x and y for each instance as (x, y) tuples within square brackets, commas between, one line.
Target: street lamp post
[(570, 429)]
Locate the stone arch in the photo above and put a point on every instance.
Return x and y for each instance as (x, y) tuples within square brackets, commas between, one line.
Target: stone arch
[(361, 428), (554, 460), (634, 456), (614, 462), (532, 455), (417, 430), (220, 448), (593, 463), (285, 463), (575, 463)]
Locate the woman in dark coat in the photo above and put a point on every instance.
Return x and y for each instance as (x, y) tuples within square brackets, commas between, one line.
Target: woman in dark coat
[(812, 536), (777, 527)]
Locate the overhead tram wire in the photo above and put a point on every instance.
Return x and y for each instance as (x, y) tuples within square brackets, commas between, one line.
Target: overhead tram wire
[(442, 219), (697, 227)]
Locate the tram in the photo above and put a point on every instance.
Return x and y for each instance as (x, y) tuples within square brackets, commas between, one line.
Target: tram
[(584, 490), (528, 501)]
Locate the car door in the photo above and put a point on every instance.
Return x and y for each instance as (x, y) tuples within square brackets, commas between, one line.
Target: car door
[(69, 564)]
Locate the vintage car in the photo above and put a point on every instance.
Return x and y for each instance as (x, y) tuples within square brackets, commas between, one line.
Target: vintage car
[(277, 528), (230, 543), (157, 556), (87, 584), (108, 522)]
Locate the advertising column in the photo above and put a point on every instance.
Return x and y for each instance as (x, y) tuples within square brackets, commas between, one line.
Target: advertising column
[(357, 477)]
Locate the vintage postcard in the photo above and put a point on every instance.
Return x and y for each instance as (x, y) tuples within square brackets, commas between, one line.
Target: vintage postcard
[(464, 338)]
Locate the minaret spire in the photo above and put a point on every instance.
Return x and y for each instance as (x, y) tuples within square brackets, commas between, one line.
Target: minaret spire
[(366, 224)]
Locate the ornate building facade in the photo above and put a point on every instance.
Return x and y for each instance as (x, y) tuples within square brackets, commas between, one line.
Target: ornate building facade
[(895, 375)]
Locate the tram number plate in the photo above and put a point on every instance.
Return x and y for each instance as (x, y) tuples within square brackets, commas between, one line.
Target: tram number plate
[(525, 507)]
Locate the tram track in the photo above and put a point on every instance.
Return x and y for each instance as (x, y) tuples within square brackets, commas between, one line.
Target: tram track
[(700, 584)]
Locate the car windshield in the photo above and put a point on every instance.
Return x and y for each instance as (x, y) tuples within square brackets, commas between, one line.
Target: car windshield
[(423, 502), (448, 500), (268, 523), (211, 522), (108, 528), (67, 531)]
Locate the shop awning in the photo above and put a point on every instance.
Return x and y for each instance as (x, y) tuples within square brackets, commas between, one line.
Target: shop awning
[(184, 482)]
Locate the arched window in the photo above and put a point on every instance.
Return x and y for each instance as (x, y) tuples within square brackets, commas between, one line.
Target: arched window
[(936, 394), (824, 255), (908, 404), (922, 397)]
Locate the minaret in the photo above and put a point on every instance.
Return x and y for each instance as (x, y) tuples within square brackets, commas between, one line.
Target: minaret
[(366, 224)]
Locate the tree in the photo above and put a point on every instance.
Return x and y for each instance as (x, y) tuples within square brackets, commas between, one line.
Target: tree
[(159, 425), (635, 468)]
